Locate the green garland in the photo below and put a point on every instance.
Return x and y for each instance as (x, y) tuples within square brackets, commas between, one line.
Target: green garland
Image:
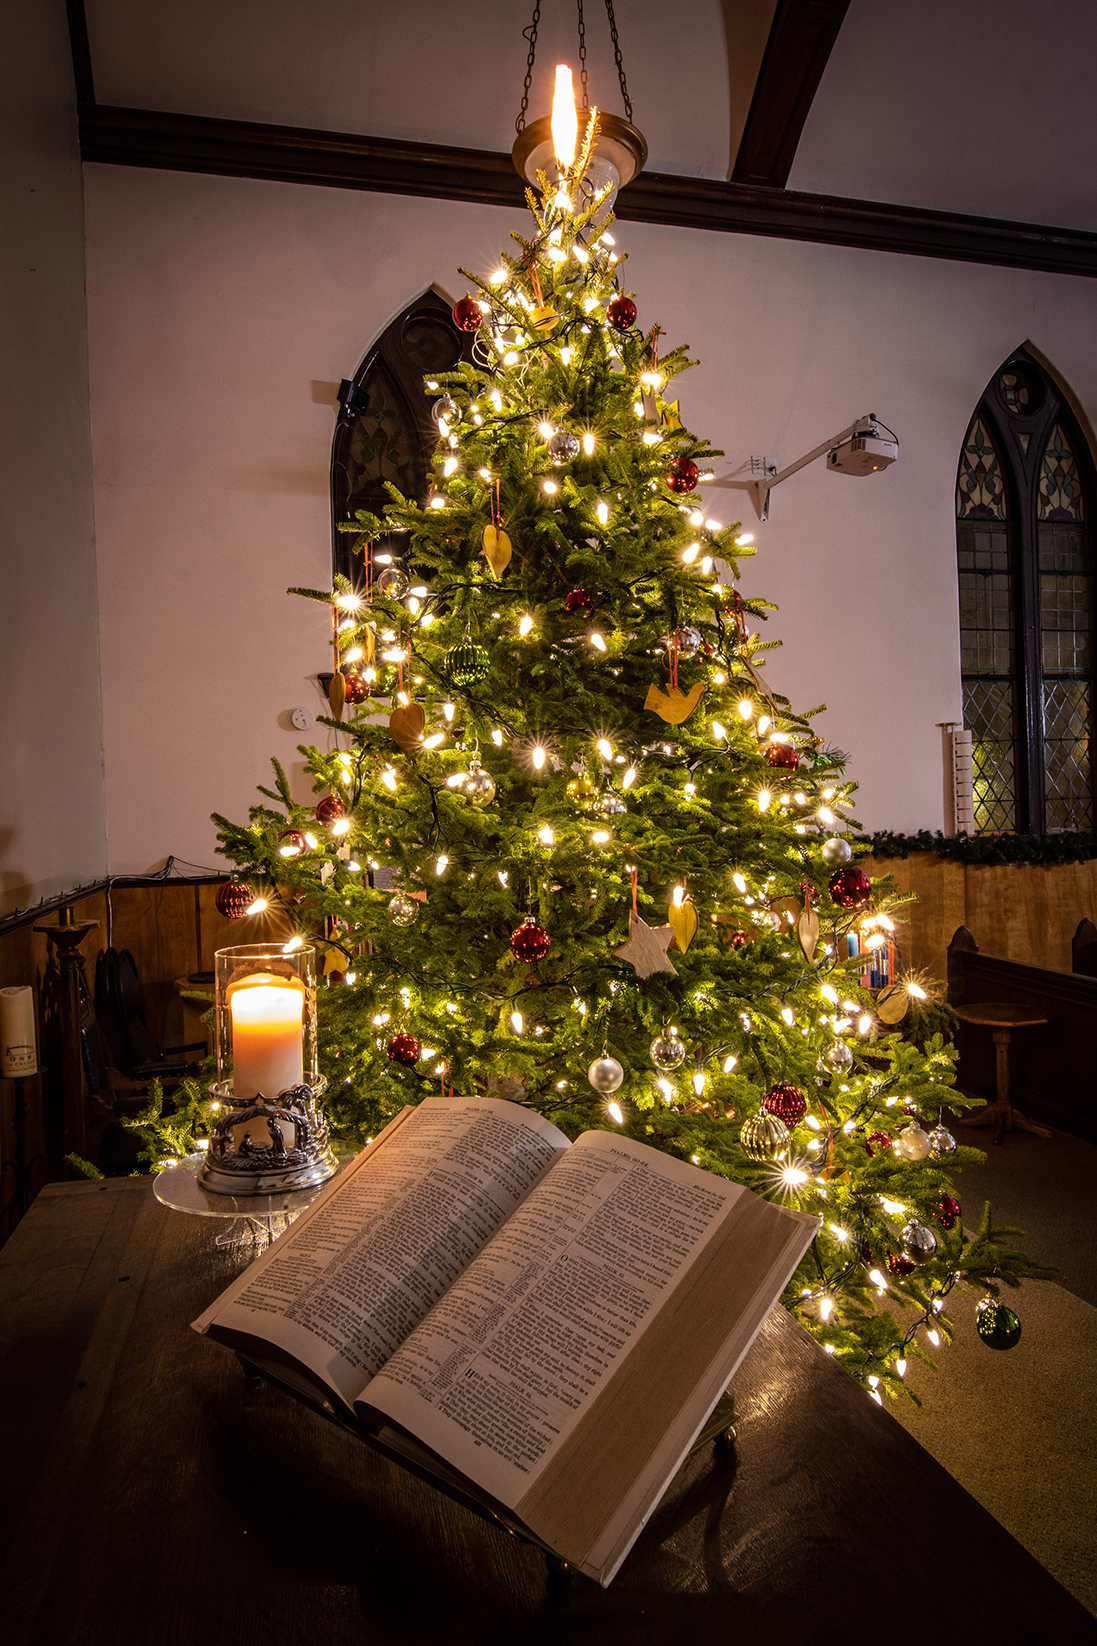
[(986, 848)]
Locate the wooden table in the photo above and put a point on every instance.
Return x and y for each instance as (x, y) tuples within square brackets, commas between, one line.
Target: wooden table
[(150, 1496), (1002, 1019)]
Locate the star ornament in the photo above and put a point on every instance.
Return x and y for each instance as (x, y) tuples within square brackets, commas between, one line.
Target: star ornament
[(646, 949)]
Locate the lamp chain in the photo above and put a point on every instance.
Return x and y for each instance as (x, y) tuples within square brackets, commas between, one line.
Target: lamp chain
[(617, 59), (583, 54), (529, 34)]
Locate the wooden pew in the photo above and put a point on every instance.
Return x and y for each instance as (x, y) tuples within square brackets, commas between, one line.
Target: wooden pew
[(1053, 1069)]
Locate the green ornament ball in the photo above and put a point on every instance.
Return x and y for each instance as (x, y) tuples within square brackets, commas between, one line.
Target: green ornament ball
[(466, 663), (997, 1325)]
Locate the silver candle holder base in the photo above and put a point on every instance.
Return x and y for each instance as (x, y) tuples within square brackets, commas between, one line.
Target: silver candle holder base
[(267, 1145)]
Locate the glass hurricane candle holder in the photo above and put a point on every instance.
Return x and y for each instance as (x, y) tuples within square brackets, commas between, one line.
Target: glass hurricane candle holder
[(270, 1136)]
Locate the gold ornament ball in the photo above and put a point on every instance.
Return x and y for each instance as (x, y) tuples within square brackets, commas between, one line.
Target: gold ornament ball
[(582, 791), (764, 1136), (403, 911), (479, 785)]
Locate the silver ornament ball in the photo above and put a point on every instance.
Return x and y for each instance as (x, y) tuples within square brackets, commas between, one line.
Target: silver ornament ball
[(667, 1052), (393, 582), (447, 407), (941, 1143), (688, 641), (605, 1074), (919, 1243), (403, 911), (912, 1143), (611, 804), (479, 785), (836, 1059), (563, 446), (836, 850)]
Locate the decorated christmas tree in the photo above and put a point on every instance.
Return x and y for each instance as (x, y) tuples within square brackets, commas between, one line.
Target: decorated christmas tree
[(571, 849)]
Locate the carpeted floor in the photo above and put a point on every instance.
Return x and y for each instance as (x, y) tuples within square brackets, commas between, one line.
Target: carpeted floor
[(1019, 1430)]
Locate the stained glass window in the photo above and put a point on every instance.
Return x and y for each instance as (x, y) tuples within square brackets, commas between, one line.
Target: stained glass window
[(980, 493), (1066, 599), (385, 434), (1026, 595), (1060, 483), (986, 629)]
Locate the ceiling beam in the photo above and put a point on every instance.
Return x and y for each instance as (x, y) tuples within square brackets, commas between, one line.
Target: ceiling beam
[(801, 39), (293, 154)]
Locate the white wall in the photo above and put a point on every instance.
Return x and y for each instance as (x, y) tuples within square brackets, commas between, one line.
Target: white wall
[(51, 770), (216, 305)]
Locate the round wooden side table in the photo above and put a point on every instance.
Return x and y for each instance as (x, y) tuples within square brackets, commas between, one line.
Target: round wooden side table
[(1002, 1020)]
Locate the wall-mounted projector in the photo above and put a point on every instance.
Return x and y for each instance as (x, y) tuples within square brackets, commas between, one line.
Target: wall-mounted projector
[(865, 451), (864, 447)]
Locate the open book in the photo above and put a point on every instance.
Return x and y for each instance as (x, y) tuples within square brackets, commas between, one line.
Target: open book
[(546, 1325)]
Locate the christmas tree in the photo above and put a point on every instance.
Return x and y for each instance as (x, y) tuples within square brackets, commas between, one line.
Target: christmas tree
[(574, 851)]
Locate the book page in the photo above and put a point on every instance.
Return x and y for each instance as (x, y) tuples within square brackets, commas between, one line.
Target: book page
[(500, 1373), (345, 1285)]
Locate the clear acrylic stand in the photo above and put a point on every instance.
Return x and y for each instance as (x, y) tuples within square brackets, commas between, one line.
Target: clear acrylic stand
[(252, 1219)]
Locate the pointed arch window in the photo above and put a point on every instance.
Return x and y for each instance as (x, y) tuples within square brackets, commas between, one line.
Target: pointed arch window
[(385, 432), (1024, 507)]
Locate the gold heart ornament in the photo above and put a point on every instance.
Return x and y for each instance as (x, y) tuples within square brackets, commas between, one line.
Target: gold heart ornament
[(406, 725), (497, 550), (337, 694), (683, 923)]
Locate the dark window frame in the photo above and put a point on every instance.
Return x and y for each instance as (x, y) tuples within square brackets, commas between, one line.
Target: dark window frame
[(1020, 439), (421, 341)]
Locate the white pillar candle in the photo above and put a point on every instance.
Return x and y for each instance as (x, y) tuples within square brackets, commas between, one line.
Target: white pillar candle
[(18, 1044), (267, 1035)]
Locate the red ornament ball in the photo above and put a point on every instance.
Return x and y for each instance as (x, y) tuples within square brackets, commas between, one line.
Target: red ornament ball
[(739, 940), (578, 600), (683, 475), (467, 314), (291, 843), (787, 1102), (621, 313), (530, 942), (404, 1048), (876, 1140), (900, 1266), (782, 754), (234, 899), (947, 1211), (330, 809), (850, 888), (356, 688)]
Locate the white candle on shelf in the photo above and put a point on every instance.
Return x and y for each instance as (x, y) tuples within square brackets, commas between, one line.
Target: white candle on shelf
[(267, 1038), (18, 1045)]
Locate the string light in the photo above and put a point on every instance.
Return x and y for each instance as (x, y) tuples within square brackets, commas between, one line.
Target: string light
[(604, 749), (597, 641), (537, 756), (602, 511), (588, 443), (448, 711), (629, 778), (746, 709), (525, 626), (441, 864)]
